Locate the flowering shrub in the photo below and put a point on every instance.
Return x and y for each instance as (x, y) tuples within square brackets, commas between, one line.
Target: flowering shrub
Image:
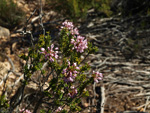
[(61, 83), (69, 79)]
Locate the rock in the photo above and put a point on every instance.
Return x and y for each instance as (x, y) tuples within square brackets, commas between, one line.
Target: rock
[(23, 7), (4, 33), (7, 50), (4, 68)]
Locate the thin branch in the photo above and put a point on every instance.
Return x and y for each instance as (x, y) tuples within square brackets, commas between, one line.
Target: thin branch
[(146, 103), (102, 99), (41, 15)]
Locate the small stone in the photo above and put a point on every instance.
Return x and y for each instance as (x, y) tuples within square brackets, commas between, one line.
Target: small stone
[(25, 7), (86, 105), (4, 68), (7, 50), (4, 33)]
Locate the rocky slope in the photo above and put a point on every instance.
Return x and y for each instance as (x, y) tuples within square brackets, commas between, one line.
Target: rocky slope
[(123, 57)]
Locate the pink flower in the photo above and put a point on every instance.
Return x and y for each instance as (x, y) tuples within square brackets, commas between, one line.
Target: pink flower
[(72, 41), (97, 76), (59, 109), (70, 72), (73, 92), (74, 31), (43, 51), (80, 44), (68, 25), (25, 111), (51, 54)]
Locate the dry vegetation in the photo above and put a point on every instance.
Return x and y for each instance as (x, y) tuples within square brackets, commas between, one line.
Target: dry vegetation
[(123, 57)]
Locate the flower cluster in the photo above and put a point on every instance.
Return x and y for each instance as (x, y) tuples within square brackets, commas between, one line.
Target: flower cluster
[(70, 72), (25, 111), (97, 76), (51, 54), (79, 42), (68, 25), (73, 92), (59, 109)]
